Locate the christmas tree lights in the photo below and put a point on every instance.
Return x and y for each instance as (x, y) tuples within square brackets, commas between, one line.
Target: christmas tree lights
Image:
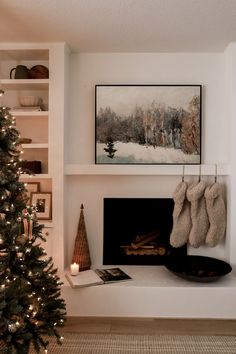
[(31, 308)]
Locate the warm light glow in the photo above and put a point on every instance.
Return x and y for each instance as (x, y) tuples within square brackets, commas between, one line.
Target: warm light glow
[(74, 269)]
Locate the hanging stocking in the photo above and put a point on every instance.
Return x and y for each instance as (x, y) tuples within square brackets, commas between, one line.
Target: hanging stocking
[(181, 217), (217, 214), (200, 222)]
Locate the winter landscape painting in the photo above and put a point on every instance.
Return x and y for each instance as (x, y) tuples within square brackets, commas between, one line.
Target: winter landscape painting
[(148, 124)]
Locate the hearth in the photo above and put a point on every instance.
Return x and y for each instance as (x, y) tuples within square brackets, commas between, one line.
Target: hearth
[(137, 231)]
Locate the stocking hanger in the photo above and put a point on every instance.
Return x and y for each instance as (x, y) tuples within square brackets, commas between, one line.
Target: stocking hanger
[(200, 173), (215, 172), (183, 173)]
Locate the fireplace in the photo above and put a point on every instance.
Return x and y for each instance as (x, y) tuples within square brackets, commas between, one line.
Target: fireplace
[(137, 231)]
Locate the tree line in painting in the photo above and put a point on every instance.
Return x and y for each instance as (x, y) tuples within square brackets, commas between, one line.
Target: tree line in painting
[(157, 126)]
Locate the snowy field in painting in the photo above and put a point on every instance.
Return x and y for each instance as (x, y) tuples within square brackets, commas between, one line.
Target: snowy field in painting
[(129, 153)]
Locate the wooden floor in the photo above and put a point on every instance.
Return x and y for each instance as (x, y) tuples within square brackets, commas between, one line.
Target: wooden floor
[(150, 326)]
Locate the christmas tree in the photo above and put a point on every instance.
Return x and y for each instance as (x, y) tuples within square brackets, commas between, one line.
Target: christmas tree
[(30, 305), (110, 148)]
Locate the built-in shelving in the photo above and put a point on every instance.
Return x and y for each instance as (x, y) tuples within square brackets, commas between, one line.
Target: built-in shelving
[(175, 170)]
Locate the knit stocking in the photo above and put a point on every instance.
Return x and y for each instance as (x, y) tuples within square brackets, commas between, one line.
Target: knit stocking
[(217, 214), (181, 217), (200, 222)]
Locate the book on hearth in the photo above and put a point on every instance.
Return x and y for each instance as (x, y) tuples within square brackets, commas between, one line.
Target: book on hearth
[(96, 277), (111, 275)]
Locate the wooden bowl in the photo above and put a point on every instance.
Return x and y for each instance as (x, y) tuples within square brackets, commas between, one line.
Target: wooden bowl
[(198, 268)]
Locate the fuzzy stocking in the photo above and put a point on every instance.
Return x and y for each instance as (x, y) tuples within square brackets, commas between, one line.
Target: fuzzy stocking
[(217, 214), (181, 217), (195, 195)]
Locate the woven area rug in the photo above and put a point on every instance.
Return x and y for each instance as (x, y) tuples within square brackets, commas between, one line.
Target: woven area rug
[(107, 343)]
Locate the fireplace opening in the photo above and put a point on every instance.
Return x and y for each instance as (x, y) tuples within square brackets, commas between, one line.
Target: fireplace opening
[(137, 231)]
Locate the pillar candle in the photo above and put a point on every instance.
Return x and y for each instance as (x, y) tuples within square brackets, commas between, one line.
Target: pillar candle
[(74, 269)]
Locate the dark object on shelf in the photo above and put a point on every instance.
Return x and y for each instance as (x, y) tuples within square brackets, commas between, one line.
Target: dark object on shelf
[(198, 268), (32, 166), (25, 141), (39, 72), (21, 72)]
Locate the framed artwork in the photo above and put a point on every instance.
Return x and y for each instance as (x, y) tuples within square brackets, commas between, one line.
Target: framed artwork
[(43, 203), (31, 187), (148, 124)]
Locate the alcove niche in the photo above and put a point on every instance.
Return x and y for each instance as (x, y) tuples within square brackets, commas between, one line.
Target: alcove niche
[(153, 292)]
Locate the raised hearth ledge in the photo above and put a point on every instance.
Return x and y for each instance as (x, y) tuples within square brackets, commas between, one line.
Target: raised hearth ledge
[(159, 276), (174, 170), (154, 292)]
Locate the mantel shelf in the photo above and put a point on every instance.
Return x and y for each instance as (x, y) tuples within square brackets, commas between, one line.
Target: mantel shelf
[(145, 170)]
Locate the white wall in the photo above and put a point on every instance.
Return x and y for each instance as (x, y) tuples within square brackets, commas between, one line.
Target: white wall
[(87, 70)]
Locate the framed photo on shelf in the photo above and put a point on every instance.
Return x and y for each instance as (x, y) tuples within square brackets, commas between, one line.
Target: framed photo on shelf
[(31, 187), (148, 124), (43, 203)]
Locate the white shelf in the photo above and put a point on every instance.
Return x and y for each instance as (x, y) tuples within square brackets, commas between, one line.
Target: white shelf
[(20, 84), (145, 170), (35, 177), (35, 146), (40, 114)]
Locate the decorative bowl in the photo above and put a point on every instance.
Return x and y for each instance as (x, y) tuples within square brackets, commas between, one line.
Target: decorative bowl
[(29, 101), (198, 268)]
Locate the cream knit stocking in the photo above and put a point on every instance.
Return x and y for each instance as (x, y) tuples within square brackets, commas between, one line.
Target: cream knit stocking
[(217, 214), (200, 222), (181, 217)]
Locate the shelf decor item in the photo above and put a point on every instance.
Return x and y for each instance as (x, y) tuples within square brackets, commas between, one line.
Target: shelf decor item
[(31, 187), (148, 124), (32, 167), (39, 72), (81, 253), (43, 203)]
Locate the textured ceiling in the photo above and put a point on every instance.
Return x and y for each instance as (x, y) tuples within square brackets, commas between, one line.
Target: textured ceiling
[(122, 25)]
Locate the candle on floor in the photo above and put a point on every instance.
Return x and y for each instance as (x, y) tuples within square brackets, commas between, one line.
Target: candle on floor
[(74, 269)]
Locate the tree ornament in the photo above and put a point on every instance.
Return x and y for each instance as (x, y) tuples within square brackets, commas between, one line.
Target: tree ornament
[(12, 327), (1, 239), (21, 239), (81, 248)]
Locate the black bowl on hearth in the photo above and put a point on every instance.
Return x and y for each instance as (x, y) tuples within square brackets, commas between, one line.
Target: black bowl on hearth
[(198, 268)]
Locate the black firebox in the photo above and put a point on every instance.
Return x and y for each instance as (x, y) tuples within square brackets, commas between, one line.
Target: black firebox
[(137, 231)]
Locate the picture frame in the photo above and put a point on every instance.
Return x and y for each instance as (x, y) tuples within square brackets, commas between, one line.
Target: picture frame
[(43, 203), (148, 124), (31, 187)]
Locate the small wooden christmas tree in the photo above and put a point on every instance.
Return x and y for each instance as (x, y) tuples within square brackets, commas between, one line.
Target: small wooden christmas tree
[(81, 249)]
